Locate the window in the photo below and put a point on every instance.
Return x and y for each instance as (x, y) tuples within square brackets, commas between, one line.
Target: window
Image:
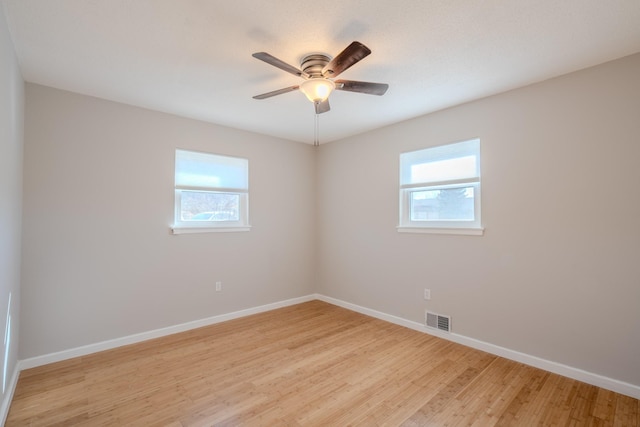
[(440, 189), (211, 193)]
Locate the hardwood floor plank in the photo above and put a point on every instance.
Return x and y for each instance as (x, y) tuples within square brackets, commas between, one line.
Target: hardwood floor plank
[(627, 411), (604, 406), (312, 364), (522, 405)]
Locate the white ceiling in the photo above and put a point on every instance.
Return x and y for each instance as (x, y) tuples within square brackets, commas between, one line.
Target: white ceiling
[(193, 57)]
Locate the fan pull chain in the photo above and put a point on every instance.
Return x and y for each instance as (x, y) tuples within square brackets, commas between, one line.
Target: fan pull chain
[(316, 131)]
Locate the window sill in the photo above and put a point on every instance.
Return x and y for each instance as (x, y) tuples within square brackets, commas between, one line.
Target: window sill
[(431, 230), (192, 230)]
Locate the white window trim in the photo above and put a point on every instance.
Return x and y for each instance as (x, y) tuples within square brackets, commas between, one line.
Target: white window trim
[(193, 230), (471, 228), (442, 230)]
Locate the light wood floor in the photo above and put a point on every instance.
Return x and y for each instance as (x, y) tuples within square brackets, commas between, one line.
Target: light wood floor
[(312, 364)]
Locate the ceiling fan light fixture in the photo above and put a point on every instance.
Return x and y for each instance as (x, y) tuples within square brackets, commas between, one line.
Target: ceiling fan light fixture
[(318, 89)]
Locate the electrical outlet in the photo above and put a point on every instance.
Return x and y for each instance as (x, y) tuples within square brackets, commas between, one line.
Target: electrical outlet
[(218, 286), (427, 294)]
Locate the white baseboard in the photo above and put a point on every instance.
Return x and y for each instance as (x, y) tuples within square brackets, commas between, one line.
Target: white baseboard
[(557, 368), (157, 333), (8, 395)]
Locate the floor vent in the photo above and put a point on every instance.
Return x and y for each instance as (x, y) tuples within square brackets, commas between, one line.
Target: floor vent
[(438, 321)]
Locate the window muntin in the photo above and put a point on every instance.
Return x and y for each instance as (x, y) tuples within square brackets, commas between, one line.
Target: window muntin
[(211, 192), (440, 187)]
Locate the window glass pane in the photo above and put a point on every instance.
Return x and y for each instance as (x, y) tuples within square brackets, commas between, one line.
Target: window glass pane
[(209, 170), (443, 170), (450, 204), (209, 206)]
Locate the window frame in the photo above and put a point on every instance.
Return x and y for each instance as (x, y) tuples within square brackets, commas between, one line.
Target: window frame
[(433, 154), (181, 226)]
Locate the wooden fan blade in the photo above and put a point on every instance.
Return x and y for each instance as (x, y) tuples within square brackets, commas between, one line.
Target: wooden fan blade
[(276, 92), (362, 87), (322, 107), (355, 52), (272, 60)]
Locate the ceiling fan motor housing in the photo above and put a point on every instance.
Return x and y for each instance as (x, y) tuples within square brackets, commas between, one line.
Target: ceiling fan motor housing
[(314, 63)]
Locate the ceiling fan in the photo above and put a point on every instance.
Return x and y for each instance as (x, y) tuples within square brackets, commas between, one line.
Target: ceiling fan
[(319, 70)]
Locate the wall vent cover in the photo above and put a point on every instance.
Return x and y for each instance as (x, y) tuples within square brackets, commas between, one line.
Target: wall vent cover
[(438, 321)]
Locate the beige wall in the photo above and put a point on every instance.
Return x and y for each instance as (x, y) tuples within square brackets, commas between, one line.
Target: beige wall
[(99, 260), (557, 273), (11, 145)]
